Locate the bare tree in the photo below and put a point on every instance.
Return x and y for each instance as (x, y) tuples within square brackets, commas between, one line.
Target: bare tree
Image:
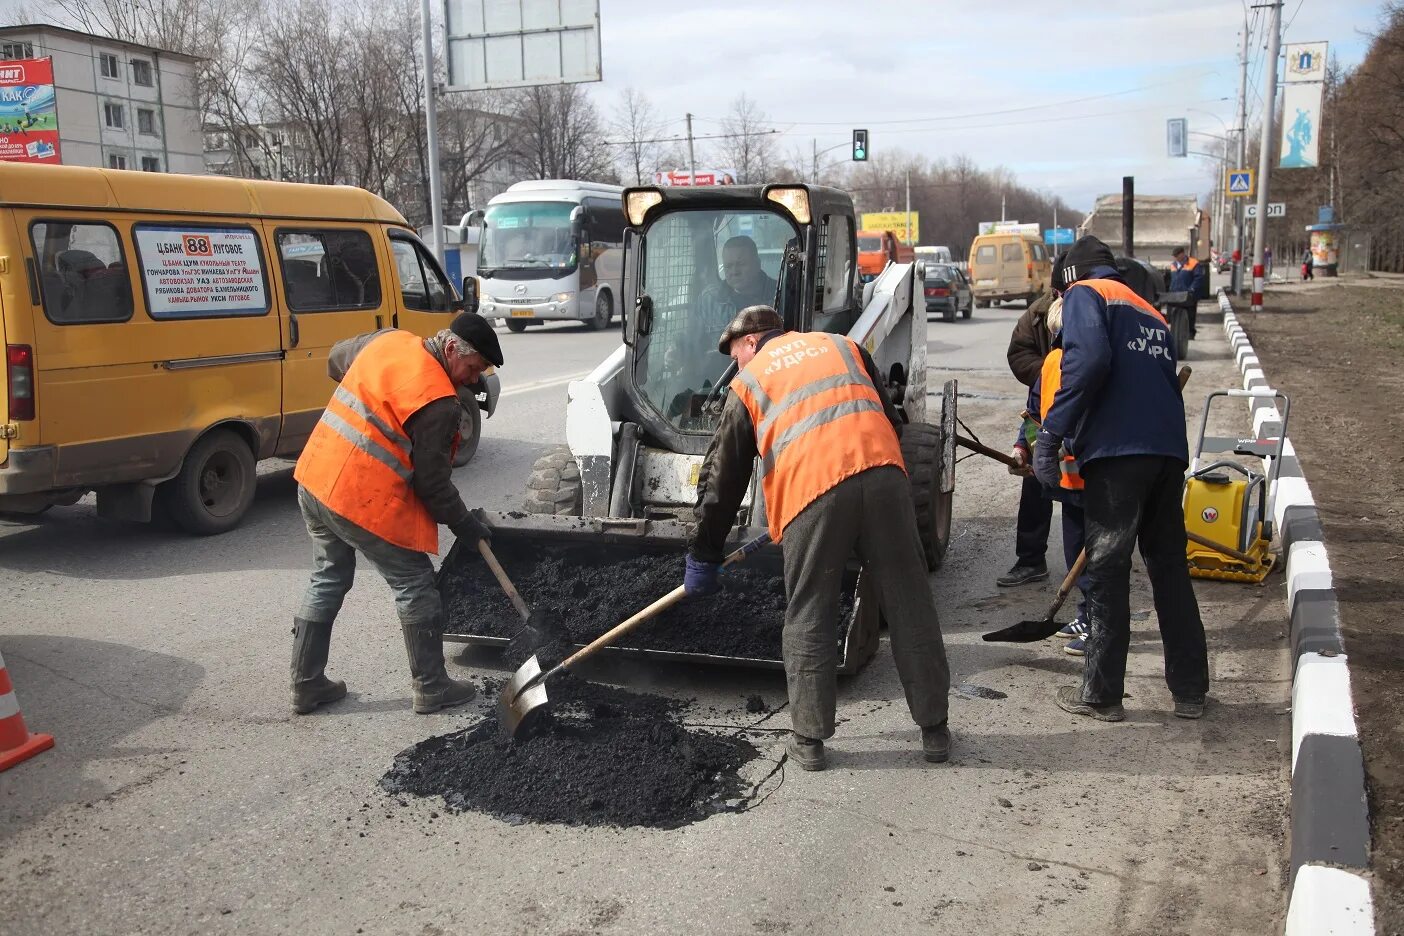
[(637, 128), (560, 135), (749, 144), (304, 60)]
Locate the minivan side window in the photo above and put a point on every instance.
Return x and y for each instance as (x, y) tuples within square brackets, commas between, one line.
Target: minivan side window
[(82, 272), (1013, 252), (422, 287), (985, 254), (1040, 254), (327, 271)]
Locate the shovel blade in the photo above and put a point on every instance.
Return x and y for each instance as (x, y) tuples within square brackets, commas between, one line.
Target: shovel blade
[(1024, 632), (523, 695)]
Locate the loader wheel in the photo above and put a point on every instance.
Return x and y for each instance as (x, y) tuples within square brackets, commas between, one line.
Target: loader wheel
[(554, 485), (921, 450), (1179, 331)]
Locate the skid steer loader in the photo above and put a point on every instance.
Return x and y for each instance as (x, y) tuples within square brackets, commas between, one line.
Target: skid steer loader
[(638, 426)]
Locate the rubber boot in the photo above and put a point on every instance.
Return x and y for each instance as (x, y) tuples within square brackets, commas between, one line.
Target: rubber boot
[(310, 686), (433, 689)]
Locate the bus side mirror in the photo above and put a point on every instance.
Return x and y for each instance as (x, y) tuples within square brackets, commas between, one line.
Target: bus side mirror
[(470, 293)]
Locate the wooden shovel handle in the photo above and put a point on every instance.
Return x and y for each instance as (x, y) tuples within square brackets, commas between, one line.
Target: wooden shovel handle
[(1221, 548), (1068, 582), (988, 452), (501, 575)]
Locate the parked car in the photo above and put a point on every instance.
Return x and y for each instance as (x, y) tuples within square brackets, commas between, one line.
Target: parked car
[(947, 292)]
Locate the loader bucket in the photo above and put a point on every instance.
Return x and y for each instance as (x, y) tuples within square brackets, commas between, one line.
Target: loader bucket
[(589, 574)]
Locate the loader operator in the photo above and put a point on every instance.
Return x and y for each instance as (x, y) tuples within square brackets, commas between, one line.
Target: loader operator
[(1118, 410), (811, 407), (375, 479)]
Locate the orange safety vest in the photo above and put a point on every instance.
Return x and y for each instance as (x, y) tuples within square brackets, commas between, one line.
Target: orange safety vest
[(818, 419), (1070, 479), (358, 460)]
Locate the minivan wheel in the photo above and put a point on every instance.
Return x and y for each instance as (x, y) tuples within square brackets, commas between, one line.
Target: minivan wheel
[(604, 311), (470, 425), (215, 486)]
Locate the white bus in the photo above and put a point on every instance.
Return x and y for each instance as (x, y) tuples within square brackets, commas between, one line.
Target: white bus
[(551, 250)]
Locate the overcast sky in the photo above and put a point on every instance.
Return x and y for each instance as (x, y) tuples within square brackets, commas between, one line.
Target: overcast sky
[(1071, 96)]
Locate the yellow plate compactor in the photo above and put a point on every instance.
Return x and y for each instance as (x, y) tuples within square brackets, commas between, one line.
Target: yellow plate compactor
[(1230, 504)]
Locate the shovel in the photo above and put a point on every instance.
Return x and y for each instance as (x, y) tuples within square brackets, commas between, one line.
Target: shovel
[(533, 623), (1032, 631), (524, 696)]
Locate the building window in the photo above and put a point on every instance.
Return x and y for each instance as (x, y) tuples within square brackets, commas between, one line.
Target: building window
[(114, 115), (16, 50), (116, 162), (109, 65), (141, 72), (146, 121), (150, 164)]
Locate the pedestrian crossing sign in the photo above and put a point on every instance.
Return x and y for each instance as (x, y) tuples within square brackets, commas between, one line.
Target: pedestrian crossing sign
[(1240, 183)]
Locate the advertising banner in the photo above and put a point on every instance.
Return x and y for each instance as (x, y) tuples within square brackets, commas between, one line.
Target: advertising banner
[(704, 177), (1008, 227), (194, 272), (1301, 123), (894, 221), (28, 111)]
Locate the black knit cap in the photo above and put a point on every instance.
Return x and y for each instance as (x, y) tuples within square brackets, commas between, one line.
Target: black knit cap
[(475, 330), (1077, 261)]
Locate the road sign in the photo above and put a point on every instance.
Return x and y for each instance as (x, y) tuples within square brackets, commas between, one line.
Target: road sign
[(1276, 209), (1240, 184), (490, 44), (1176, 137), (1058, 237), (860, 146)]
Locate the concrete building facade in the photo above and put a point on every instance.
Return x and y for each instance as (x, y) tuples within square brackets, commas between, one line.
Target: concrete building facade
[(120, 105)]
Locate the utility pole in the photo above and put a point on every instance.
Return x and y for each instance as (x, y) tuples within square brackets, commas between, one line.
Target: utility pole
[(1001, 206), (431, 130), (1128, 215), (909, 207), (1240, 244), (691, 153), (1265, 155), (814, 173)]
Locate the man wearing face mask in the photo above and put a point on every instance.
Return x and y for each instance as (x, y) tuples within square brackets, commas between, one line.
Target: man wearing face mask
[(811, 406)]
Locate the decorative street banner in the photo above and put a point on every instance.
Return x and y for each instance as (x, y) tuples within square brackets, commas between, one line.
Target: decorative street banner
[(1306, 61), (1301, 124), (28, 111), (202, 271)]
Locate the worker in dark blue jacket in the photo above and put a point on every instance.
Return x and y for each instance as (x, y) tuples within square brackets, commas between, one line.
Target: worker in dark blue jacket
[(1189, 275), (1119, 412)]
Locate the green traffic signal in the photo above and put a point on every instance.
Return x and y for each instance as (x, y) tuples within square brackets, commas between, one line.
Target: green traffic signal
[(860, 146)]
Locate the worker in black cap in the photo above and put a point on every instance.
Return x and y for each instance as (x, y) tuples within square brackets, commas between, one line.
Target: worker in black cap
[(375, 479)]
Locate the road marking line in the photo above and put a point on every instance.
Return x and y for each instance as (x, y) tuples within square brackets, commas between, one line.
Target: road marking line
[(542, 384)]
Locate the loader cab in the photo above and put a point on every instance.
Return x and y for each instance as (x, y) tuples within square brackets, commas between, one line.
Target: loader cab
[(694, 257)]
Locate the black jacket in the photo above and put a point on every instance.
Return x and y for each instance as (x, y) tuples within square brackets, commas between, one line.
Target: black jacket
[(1030, 343), (726, 469)]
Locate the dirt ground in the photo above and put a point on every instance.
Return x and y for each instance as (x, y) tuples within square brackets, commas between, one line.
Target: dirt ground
[(1335, 351)]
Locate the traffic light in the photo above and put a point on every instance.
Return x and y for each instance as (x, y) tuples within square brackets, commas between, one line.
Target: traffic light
[(860, 146)]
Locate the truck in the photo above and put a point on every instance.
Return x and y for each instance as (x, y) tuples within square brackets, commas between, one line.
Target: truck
[(638, 426), (876, 249)]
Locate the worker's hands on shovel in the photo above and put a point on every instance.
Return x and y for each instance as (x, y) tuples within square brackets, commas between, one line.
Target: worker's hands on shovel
[(700, 578), (1021, 467), (1046, 457), (473, 529)]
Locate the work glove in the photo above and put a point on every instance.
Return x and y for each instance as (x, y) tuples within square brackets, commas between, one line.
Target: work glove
[(472, 529), (700, 578), (1021, 457), (1046, 459)]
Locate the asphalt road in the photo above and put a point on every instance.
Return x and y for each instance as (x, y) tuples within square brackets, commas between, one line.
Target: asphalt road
[(183, 797)]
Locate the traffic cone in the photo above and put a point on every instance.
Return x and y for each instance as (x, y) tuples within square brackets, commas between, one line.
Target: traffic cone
[(16, 743)]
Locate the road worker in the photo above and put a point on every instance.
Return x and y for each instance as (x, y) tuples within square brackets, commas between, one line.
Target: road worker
[(375, 479), (1188, 274), (1118, 409), (1028, 347), (811, 407)]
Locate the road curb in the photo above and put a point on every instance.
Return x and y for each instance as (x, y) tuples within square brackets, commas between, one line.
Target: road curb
[(1330, 825)]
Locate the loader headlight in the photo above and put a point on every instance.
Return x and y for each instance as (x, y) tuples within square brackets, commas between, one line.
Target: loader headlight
[(792, 198), (638, 201)]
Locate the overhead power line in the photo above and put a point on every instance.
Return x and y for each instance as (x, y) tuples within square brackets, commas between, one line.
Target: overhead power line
[(681, 139)]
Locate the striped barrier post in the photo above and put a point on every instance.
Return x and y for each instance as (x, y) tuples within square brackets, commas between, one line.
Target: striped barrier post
[(1257, 287), (16, 743)]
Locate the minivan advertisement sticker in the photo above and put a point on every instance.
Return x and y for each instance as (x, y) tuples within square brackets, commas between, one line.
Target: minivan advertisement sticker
[(28, 111), (201, 271)]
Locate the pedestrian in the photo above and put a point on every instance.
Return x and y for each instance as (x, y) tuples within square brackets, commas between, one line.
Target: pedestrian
[(1267, 262), (812, 407), (1028, 346), (1118, 409), (375, 479), (1306, 265), (1068, 492)]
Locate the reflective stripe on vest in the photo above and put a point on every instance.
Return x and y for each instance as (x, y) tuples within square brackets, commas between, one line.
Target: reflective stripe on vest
[(818, 419), (1051, 380), (358, 461)]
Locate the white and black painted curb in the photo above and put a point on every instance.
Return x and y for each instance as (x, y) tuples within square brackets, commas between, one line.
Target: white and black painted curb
[(1330, 830)]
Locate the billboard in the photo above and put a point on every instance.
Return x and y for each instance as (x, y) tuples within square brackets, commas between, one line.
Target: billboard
[(1301, 105), (28, 111), (1008, 227), (704, 177), (894, 221), (520, 43)]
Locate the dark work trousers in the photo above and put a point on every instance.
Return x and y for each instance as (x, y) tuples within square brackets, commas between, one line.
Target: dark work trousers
[(1129, 499), (1034, 520), (1074, 538), (869, 513)]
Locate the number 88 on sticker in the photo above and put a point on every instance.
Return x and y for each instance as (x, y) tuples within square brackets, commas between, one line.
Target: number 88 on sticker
[(196, 245)]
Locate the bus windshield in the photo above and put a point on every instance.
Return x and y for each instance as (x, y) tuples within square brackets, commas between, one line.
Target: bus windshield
[(534, 240), (701, 268)]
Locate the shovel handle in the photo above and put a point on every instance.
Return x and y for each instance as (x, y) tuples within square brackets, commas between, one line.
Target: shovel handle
[(1066, 588), (501, 575), (1221, 548), (653, 610), (985, 450)]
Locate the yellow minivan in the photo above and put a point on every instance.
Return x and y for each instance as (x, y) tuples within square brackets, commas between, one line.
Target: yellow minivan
[(163, 332), (1008, 265)]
